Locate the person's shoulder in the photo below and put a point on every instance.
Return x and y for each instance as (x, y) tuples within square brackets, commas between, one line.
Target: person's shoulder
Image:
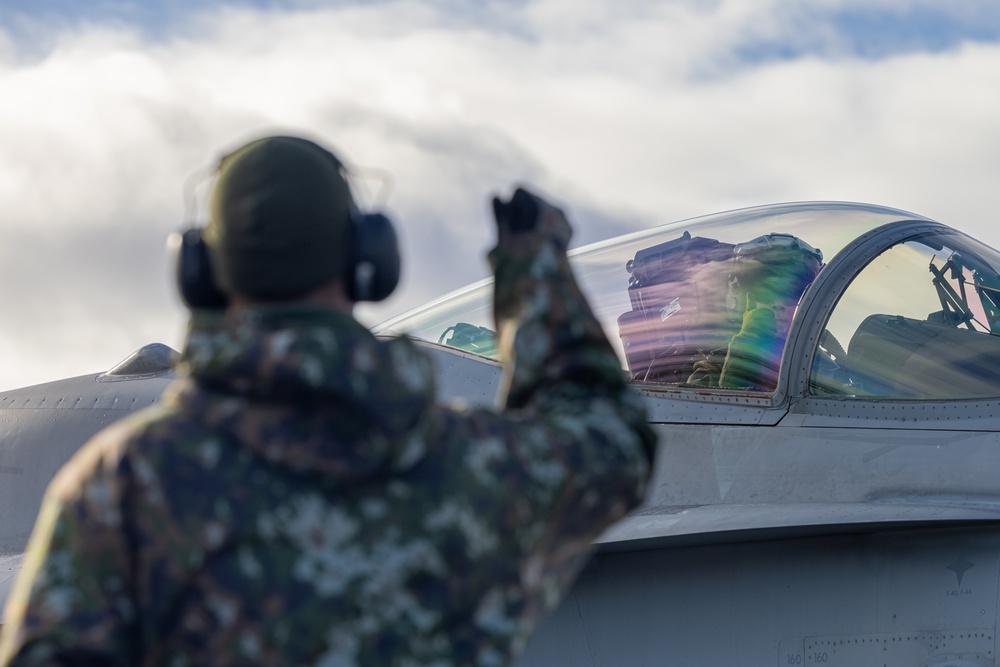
[(111, 452), (403, 350), (103, 454), (406, 368)]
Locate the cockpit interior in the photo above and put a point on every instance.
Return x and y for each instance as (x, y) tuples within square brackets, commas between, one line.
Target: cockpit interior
[(710, 304)]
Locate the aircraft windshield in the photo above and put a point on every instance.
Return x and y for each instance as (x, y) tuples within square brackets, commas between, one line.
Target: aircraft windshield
[(922, 321), (673, 298)]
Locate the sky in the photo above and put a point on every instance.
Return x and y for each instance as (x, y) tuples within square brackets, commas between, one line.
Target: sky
[(628, 113)]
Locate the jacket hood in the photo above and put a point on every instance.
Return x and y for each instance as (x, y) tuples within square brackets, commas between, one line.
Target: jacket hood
[(308, 388)]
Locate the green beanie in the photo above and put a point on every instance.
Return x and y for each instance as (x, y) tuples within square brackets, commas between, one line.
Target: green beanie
[(280, 221)]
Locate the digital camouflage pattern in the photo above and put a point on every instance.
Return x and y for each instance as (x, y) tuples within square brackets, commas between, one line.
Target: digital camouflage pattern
[(300, 499)]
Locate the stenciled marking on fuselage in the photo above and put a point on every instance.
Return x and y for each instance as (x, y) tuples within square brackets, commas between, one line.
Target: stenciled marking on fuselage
[(960, 566)]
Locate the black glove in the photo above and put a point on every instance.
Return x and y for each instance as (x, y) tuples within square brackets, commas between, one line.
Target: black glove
[(526, 212)]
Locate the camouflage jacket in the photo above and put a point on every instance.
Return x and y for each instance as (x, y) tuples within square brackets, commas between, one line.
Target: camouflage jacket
[(300, 499)]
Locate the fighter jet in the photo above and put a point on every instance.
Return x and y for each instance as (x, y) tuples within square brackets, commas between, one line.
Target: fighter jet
[(825, 381)]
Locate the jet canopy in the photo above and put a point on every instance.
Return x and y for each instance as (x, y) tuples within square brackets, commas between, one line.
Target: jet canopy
[(711, 302)]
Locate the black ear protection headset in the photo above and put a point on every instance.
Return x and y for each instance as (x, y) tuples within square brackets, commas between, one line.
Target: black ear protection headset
[(373, 259)]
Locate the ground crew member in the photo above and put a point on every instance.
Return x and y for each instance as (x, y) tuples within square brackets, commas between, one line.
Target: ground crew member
[(298, 497)]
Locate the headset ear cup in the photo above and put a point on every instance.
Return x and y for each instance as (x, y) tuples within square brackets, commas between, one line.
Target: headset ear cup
[(195, 281), (376, 259)]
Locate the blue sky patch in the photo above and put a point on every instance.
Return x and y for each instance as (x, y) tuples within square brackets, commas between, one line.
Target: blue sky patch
[(878, 32), (155, 18)]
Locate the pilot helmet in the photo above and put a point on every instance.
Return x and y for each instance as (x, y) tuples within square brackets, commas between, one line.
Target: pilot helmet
[(772, 267)]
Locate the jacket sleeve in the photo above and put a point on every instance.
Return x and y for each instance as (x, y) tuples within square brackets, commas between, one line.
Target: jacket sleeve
[(556, 355), (577, 448), (71, 604)]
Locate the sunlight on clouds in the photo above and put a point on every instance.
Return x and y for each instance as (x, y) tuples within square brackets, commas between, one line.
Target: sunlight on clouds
[(629, 113), (75, 128)]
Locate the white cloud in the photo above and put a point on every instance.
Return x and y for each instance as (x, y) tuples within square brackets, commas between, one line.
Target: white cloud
[(630, 113)]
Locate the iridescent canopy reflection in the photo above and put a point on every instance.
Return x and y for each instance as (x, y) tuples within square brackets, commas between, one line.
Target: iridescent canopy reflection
[(705, 302)]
